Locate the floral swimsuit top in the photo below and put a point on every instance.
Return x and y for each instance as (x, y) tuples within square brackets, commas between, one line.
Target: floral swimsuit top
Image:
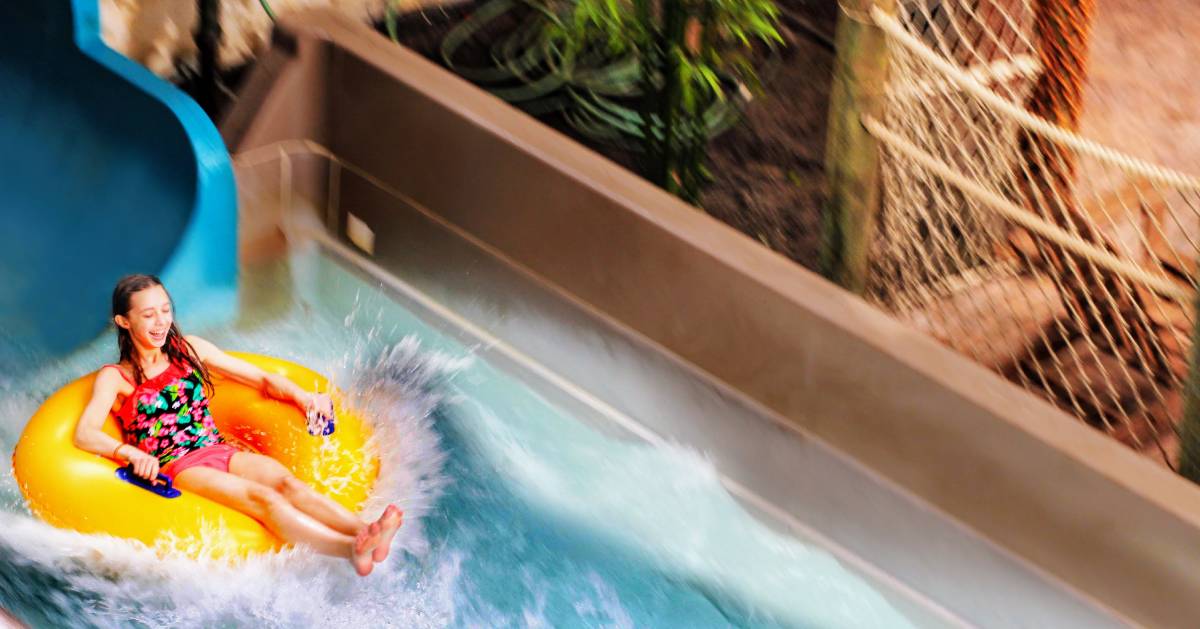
[(167, 415)]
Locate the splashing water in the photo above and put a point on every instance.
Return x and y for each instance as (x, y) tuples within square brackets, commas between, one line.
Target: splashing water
[(73, 579), (515, 513)]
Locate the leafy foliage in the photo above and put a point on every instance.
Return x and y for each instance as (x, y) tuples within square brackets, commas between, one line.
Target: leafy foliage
[(660, 77)]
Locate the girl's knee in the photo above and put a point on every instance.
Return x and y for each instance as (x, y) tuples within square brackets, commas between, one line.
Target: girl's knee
[(288, 484), (263, 498), (260, 469)]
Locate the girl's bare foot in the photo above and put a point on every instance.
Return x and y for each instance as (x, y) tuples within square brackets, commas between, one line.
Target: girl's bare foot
[(365, 542), (388, 524)]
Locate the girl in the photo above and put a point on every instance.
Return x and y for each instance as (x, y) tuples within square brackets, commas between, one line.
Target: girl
[(183, 443)]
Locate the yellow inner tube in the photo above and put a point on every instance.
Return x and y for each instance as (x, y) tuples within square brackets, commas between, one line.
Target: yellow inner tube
[(73, 489)]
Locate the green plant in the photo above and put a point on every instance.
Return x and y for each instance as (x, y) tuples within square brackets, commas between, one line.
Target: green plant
[(695, 55), (660, 77), (542, 65)]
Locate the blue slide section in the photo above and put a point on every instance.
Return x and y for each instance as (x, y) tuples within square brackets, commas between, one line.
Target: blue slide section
[(105, 169)]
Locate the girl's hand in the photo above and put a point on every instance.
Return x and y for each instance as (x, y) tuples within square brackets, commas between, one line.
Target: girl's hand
[(319, 403), (318, 413), (144, 465)]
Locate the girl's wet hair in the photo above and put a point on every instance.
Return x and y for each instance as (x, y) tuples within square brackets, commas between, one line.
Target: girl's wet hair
[(177, 349)]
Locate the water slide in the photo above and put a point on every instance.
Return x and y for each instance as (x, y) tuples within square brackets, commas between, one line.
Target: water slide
[(599, 406), (107, 170), (958, 497)]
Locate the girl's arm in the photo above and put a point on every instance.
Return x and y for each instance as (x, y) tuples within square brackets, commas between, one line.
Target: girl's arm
[(89, 436), (271, 384)]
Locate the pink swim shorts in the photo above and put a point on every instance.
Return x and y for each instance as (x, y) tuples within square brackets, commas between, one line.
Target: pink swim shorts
[(215, 456)]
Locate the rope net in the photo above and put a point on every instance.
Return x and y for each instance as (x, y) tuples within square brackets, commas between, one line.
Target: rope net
[(1061, 263)]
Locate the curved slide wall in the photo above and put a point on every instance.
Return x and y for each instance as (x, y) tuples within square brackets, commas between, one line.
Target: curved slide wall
[(105, 169)]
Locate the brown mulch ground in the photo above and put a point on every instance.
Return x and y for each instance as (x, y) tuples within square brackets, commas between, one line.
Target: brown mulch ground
[(769, 172)]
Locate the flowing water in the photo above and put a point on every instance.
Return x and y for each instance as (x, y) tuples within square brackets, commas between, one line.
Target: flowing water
[(517, 514)]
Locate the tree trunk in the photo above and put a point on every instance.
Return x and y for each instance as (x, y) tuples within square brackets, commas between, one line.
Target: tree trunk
[(1063, 29), (208, 41)]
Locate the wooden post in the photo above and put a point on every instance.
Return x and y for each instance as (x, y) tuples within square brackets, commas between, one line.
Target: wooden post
[(851, 154), (1189, 429)]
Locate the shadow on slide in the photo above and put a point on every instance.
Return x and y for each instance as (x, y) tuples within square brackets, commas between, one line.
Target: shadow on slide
[(105, 169)]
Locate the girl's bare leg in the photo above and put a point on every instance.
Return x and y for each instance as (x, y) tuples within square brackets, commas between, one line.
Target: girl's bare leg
[(267, 471), (277, 513)]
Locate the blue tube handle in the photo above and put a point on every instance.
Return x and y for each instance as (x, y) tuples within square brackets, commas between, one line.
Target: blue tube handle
[(319, 424), (161, 486)]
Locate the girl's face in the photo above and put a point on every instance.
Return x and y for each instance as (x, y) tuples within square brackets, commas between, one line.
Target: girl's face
[(149, 317)]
